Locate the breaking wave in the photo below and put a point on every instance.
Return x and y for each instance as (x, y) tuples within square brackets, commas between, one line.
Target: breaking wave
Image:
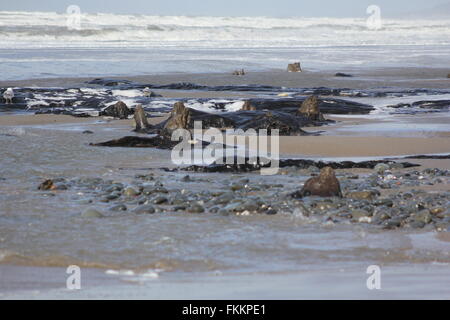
[(47, 29)]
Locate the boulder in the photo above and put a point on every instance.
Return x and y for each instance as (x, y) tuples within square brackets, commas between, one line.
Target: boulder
[(325, 185), (118, 110), (294, 67)]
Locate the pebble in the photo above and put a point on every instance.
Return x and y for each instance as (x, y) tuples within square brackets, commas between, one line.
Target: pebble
[(360, 195), (119, 207), (414, 208), (145, 209), (130, 192), (159, 200), (195, 208), (423, 216)]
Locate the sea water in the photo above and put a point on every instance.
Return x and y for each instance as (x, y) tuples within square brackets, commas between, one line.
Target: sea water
[(40, 44)]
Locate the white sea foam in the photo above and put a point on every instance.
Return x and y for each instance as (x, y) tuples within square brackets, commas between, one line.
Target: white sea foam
[(40, 29), (128, 93), (109, 44)]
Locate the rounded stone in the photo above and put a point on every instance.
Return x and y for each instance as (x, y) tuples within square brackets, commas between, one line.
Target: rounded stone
[(130, 192), (145, 209), (195, 208), (119, 207)]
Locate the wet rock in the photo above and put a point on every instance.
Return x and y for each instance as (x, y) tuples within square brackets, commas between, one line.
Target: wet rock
[(286, 124), (380, 215), (92, 213), (399, 105), (425, 156), (47, 185), (160, 200), (392, 223), (360, 195), (236, 187), (195, 208), (130, 192), (119, 207), (145, 209), (140, 119), (326, 105), (294, 67), (118, 110), (384, 202), (186, 178), (160, 142), (416, 224), (249, 166), (310, 109), (437, 210), (359, 215), (239, 72), (108, 82), (423, 216), (345, 75), (325, 185), (396, 166), (432, 104)]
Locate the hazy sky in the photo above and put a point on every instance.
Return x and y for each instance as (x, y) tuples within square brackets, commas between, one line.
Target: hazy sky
[(329, 8)]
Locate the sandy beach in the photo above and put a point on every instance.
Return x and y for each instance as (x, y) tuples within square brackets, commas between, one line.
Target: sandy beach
[(372, 78)]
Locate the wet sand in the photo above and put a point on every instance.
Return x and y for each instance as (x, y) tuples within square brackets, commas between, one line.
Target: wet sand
[(397, 282), (371, 78), (361, 145), (339, 257)]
